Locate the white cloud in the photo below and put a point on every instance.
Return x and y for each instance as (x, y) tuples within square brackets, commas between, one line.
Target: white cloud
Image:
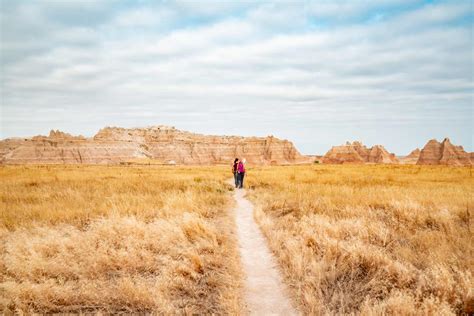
[(152, 64), (145, 17)]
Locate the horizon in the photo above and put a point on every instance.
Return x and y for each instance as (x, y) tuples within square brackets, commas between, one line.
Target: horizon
[(395, 73)]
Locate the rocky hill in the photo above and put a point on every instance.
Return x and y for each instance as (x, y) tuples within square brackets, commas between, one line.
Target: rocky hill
[(357, 153), (412, 158), (160, 144), (444, 153)]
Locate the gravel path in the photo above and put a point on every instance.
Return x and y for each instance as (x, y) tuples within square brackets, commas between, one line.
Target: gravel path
[(265, 293)]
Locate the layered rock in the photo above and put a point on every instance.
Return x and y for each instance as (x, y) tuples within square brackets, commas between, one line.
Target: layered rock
[(342, 154), (412, 158), (444, 153), (357, 153), (378, 154), (161, 144)]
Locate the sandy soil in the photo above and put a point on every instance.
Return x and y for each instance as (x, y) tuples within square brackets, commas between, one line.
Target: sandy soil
[(265, 293)]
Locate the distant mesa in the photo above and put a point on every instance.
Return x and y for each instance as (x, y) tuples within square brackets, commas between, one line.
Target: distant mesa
[(444, 153), (170, 146), (357, 153), (157, 144)]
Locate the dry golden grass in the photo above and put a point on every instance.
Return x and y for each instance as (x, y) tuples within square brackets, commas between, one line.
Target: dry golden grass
[(370, 239), (117, 239)]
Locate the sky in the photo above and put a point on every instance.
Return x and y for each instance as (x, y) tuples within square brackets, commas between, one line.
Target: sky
[(319, 73)]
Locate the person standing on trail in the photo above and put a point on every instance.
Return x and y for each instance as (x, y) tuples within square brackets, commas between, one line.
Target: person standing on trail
[(241, 172), (234, 171)]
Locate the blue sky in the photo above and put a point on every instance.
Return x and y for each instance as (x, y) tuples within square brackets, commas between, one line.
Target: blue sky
[(391, 72)]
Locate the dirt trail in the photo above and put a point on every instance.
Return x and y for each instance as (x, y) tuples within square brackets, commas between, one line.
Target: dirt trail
[(265, 293)]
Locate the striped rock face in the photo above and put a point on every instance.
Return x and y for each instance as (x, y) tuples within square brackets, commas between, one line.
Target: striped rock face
[(357, 153), (444, 153), (160, 144)]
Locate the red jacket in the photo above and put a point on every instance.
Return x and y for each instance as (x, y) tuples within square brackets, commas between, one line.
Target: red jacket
[(241, 167)]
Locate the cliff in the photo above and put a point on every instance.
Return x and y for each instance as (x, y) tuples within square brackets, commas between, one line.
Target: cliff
[(160, 143)]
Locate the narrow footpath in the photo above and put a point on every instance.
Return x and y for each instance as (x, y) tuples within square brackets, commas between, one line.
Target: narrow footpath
[(265, 294)]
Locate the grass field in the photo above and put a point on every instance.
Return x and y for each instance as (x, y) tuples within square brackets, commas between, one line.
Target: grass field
[(370, 239), (117, 239), (365, 240)]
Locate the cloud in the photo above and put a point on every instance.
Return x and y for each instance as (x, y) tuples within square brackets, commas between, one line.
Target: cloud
[(144, 17), (348, 10), (264, 64)]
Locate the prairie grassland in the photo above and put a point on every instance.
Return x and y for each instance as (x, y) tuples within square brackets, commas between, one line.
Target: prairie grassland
[(370, 239), (117, 239)]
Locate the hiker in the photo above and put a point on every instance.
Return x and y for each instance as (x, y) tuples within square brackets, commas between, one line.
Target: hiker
[(241, 173), (234, 171)]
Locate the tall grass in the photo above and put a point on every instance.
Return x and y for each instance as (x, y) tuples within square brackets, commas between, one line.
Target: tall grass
[(117, 239), (370, 239)]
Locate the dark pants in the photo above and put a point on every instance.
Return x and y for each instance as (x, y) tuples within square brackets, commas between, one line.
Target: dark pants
[(236, 179), (241, 180)]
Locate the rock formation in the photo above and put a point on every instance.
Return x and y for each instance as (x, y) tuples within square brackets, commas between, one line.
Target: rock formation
[(342, 154), (378, 154), (159, 144), (444, 153), (412, 158), (357, 153)]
